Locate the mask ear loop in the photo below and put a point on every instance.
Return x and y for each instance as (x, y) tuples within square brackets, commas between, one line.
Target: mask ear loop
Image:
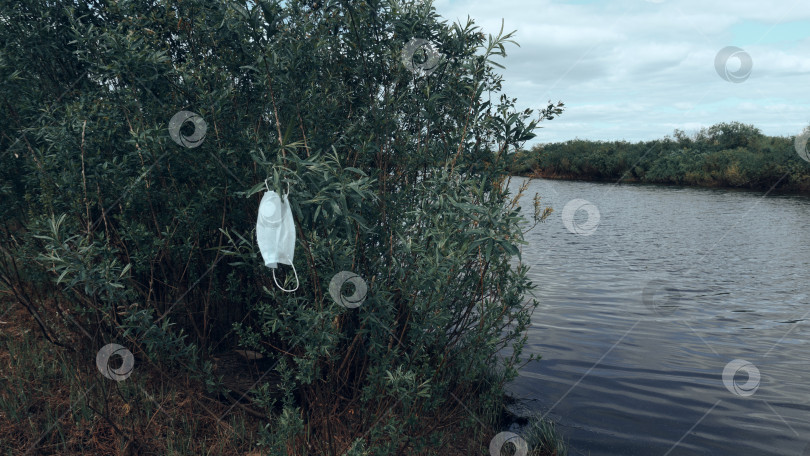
[(297, 283), (268, 188), (282, 288)]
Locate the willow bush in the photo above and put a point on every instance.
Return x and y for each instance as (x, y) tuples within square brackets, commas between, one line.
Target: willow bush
[(396, 167)]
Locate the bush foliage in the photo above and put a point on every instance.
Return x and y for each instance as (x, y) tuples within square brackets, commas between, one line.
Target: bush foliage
[(724, 155), (113, 232)]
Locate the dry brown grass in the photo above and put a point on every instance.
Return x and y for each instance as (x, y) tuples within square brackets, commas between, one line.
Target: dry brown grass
[(52, 402)]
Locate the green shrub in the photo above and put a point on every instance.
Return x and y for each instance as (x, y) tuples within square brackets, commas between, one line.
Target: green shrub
[(726, 154), (115, 232)]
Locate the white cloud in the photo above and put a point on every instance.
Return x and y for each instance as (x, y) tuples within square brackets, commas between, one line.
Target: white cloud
[(634, 69)]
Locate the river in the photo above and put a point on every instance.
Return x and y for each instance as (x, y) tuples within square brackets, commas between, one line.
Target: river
[(641, 314)]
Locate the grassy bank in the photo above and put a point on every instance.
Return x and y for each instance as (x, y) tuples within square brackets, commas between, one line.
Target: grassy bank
[(55, 402), (729, 155)]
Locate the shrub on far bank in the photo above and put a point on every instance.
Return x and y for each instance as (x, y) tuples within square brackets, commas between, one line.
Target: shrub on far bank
[(725, 155)]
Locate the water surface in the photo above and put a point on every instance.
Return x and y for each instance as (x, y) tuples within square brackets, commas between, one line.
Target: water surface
[(729, 273)]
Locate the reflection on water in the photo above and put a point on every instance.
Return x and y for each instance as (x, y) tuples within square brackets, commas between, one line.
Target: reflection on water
[(639, 319)]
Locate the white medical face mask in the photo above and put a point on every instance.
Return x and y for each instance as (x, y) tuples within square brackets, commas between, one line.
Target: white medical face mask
[(275, 233)]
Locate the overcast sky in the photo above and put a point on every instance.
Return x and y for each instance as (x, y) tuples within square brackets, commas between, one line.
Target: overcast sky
[(639, 69)]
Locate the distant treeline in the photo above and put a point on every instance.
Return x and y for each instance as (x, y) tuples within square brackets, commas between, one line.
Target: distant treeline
[(724, 155)]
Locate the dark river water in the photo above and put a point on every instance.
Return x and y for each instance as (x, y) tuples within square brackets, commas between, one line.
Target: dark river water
[(641, 314)]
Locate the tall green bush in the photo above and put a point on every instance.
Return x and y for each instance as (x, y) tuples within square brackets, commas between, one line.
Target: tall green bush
[(113, 231)]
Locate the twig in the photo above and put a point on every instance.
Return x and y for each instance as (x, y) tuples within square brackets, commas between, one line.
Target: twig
[(84, 182)]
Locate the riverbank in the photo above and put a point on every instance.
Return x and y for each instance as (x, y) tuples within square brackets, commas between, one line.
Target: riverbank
[(727, 155), (544, 174), (54, 401)]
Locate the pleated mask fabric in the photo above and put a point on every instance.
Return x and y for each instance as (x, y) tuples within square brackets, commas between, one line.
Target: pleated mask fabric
[(275, 233)]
